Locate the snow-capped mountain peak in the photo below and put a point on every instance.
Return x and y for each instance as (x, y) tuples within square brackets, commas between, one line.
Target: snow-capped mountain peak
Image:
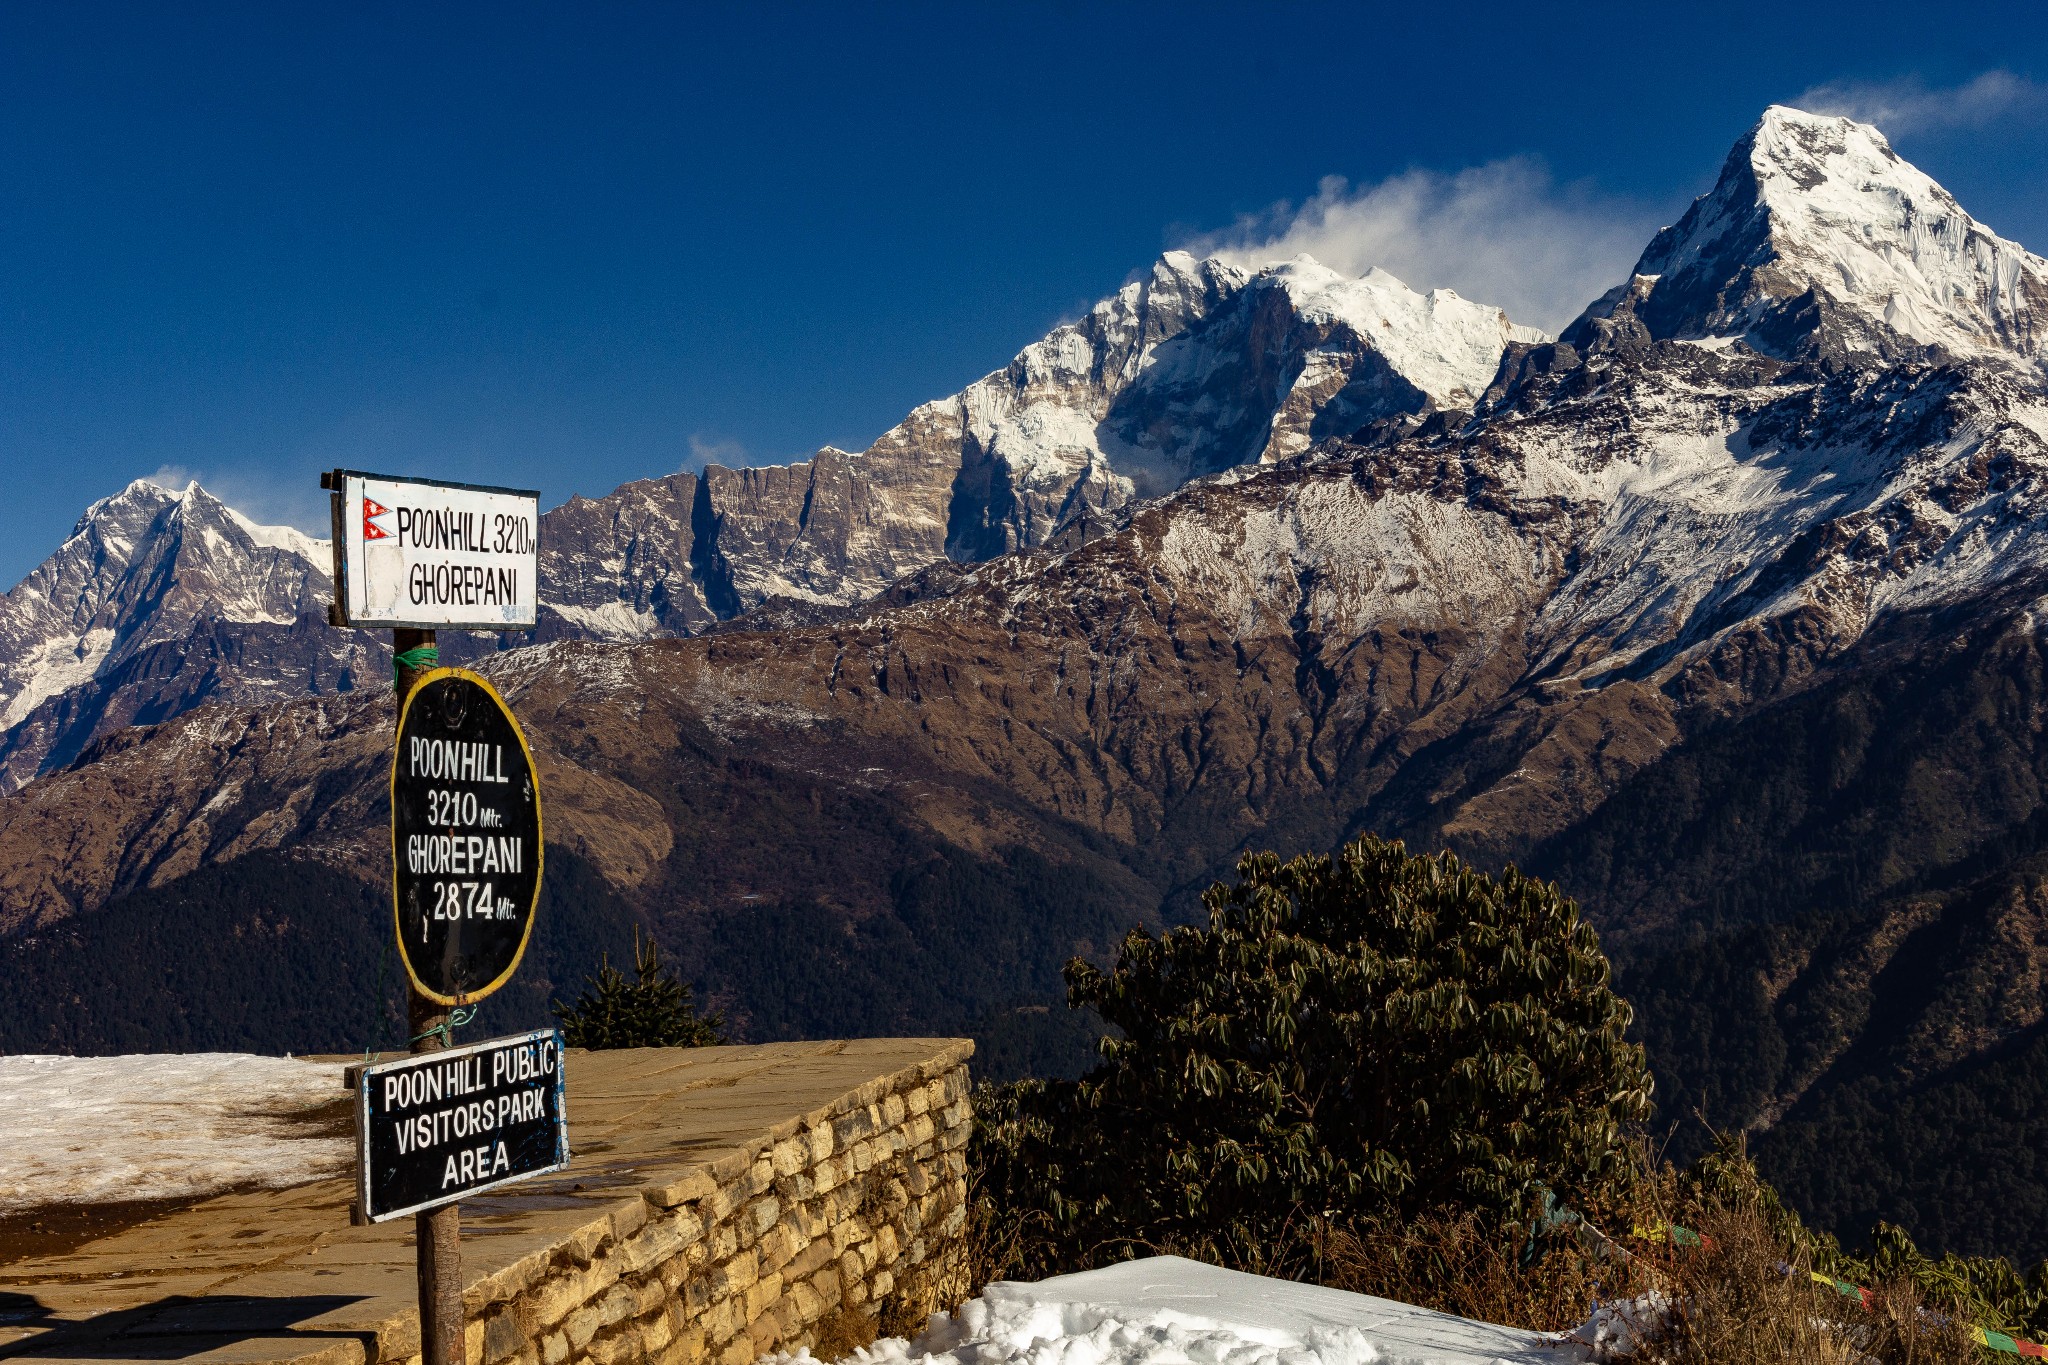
[(1192, 367), (1198, 367), (119, 524), (1818, 236), (1108, 346), (140, 568), (1447, 346)]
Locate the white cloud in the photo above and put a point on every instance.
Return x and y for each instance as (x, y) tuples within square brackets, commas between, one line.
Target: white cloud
[(706, 449), (1505, 233), (1908, 105), (173, 478)]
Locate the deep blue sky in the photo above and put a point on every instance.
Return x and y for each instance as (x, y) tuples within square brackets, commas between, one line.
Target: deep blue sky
[(566, 246)]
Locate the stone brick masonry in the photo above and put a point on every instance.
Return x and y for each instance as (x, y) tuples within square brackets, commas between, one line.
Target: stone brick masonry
[(854, 1210)]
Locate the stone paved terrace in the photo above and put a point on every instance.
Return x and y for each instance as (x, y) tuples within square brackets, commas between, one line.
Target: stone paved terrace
[(722, 1202)]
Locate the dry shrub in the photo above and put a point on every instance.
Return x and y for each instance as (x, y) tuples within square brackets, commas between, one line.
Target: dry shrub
[(1904, 1330), (845, 1331), (1458, 1263), (1748, 1297), (1737, 1301), (1004, 1243)]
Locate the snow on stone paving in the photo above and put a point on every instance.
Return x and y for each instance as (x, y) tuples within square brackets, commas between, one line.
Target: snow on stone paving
[(1168, 1311), (90, 1130)]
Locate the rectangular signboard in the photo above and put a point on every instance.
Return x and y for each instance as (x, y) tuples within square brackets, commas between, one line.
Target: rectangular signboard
[(427, 555), (441, 1126)]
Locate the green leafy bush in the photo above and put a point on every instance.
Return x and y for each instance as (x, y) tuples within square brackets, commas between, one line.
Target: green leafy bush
[(1349, 1037), (655, 1010)]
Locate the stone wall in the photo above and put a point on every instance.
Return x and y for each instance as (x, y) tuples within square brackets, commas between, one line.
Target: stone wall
[(721, 1202), (829, 1227)]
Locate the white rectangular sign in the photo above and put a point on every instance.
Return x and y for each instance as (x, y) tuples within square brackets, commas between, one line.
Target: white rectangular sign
[(413, 552)]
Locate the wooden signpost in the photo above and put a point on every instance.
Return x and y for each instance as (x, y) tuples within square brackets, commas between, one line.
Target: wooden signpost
[(414, 555)]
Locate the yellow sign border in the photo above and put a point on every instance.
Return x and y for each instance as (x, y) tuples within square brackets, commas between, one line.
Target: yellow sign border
[(540, 838)]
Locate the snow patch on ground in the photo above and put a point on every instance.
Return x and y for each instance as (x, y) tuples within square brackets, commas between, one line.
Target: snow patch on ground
[(93, 1130), (612, 621), (1168, 1311)]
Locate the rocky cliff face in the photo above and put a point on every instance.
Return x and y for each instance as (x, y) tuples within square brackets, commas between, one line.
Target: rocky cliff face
[(623, 566)]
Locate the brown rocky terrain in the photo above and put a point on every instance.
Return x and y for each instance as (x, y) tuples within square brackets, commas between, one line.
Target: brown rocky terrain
[(1434, 635)]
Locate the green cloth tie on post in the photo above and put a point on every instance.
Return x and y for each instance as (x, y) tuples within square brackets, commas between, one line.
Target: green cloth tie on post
[(446, 1029), (420, 657)]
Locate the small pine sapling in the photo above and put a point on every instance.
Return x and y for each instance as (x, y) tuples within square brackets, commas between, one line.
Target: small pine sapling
[(655, 1010)]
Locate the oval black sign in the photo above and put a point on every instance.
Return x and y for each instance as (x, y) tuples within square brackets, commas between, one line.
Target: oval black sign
[(465, 838)]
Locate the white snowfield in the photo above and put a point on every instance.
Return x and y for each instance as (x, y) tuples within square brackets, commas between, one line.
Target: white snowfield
[(98, 1130), (1168, 1311)]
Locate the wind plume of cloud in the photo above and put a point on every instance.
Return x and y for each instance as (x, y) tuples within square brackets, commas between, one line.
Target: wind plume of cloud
[(1909, 105), (173, 478), (1504, 233), (706, 449), (267, 497)]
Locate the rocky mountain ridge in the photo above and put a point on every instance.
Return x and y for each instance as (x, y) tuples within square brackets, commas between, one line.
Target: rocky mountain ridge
[(1729, 619), (1194, 368), (1643, 529)]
